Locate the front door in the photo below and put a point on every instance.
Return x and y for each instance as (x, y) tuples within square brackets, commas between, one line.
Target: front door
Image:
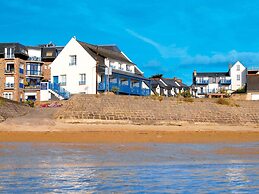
[(55, 79)]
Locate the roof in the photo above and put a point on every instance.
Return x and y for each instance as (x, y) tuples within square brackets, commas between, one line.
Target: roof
[(18, 48), (101, 52), (212, 74)]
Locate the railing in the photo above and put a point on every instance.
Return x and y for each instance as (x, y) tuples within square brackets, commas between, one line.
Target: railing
[(21, 85), (9, 71), (9, 85), (59, 90), (202, 82), (21, 71), (33, 87), (124, 89), (34, 58), (225, 81)]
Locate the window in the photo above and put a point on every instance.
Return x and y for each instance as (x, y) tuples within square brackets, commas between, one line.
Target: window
[(33, 69), (49, 54), (9, 68), (238, 67), (238, 77), (82, 79), (9, 53), (8, 95), (63, 80), (213, 80), (72, 60), (9, 82)]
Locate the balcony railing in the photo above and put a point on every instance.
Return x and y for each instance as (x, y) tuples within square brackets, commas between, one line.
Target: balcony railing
[(10, 56), (225, 82), (202, 82), (34, 58), (124, 89), (59, 90), (9, 71), (9, 85), (32, 87)]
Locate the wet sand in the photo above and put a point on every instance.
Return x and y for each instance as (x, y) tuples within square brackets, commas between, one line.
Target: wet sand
[(115, 133)]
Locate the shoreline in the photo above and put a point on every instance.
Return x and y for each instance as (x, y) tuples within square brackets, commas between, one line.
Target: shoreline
[(117, 133)]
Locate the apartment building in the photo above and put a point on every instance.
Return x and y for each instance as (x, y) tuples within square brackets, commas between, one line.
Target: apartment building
[(23, 68)]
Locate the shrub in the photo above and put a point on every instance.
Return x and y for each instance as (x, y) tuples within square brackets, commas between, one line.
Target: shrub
[(188, 100), (30, 103), (223, 101), (241, 90), (186, 94), (115, 89)]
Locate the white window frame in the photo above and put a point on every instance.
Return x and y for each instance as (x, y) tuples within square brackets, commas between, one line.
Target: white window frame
[(238, 67), (72, 59), (82, 79), (238, 77), (11, 53), (8, 95), (63, 80)]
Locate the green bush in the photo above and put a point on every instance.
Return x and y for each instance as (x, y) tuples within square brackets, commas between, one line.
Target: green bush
[(114, 89), (186, 94), (30, 103)]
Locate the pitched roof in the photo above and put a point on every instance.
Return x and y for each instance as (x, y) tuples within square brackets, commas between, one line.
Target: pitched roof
[(212, 74), (101, 52)]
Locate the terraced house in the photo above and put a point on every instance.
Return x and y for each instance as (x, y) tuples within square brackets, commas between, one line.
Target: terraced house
[(23, 68)]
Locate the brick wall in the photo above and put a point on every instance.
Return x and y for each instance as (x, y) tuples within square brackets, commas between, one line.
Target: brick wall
[(147, 110)]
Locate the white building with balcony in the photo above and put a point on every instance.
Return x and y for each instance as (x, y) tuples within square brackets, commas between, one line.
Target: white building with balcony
[(90, 69), (205, 83)]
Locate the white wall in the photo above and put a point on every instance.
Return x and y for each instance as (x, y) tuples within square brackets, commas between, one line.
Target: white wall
[(32, 52), (85, 64), (235, 84)]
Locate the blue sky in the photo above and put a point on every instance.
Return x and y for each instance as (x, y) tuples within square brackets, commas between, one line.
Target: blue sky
[(171, 37)]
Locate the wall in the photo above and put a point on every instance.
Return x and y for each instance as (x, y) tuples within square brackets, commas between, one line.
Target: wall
[(150, 110)]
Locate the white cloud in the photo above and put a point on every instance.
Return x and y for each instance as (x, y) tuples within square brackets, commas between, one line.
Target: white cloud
[(172, 51)]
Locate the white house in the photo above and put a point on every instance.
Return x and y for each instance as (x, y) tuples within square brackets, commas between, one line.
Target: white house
[(213, 82), (89, 69)]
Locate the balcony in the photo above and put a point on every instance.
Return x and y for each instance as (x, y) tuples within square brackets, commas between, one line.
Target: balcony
[(9, 56), (225, 82), (32, 87), (9, 85), (34, 73), (202, 82), (122, 88), (34, 58)]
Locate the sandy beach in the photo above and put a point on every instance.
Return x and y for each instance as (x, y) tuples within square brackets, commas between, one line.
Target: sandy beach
[(44, 128)]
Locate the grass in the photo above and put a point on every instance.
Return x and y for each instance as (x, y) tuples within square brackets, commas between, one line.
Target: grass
[(226, 102), (2, 101)]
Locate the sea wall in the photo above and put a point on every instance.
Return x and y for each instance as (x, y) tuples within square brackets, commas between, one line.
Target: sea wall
[(157, 110), (10, 109)]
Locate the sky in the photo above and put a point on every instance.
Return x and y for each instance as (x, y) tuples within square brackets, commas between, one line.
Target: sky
[(169, 37)]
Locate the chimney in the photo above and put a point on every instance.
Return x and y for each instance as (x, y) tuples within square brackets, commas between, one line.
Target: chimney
[(230, 66), (194, 73)]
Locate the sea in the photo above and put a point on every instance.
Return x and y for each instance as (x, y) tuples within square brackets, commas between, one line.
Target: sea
[(129, 168)]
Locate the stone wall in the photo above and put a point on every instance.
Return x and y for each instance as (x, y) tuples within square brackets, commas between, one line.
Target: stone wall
[(157, 110)]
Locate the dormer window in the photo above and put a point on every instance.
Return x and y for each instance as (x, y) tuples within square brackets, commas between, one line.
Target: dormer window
[(72, 60), (49, 54), (9, 53)]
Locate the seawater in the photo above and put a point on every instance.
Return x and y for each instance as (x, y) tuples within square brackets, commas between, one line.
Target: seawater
[(127, 168)]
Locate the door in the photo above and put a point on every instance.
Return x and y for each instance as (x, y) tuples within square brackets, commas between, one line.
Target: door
[(55, 79), (55, 83)]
